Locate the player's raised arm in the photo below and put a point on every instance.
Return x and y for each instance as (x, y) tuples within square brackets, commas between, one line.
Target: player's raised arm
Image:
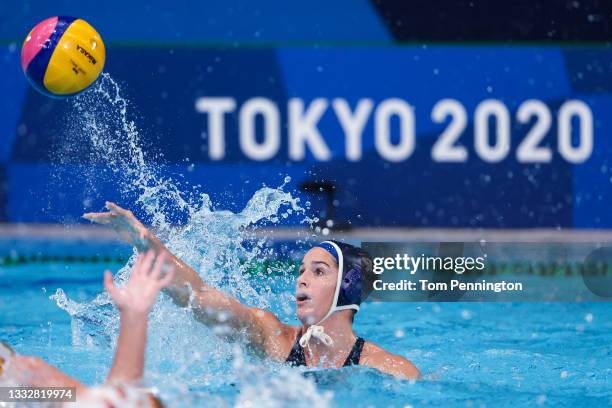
[(135, 233), (210, 306)]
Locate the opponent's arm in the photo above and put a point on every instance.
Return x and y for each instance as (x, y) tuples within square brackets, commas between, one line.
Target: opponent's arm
[(31, 371), (134, 301)]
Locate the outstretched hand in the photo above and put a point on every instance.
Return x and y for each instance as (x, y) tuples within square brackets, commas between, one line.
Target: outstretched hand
[(124, 223), (138, 295)]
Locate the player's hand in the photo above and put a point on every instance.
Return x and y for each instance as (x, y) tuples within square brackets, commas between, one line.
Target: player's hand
[(149, 276), (124, 223)]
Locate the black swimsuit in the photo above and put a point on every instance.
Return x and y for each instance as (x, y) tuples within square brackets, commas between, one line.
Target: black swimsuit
[(296, 356)]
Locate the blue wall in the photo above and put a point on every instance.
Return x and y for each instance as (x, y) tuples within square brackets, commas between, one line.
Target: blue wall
[(165, 62)]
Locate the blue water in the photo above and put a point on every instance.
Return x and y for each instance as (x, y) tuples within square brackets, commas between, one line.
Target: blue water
[(471, 354)]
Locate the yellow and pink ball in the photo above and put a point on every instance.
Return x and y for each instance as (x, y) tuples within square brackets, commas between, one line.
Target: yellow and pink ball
[(62, 56)]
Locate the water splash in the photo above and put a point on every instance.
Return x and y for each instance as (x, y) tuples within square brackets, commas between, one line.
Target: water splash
[(101, 117), (276, 386), (218, 244), (92, 322)]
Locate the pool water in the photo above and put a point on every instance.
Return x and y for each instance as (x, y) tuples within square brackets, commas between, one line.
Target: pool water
[(471, 354)]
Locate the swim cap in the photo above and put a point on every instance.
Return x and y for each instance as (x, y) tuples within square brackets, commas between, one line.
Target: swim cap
[(349, 285), (348, 293)]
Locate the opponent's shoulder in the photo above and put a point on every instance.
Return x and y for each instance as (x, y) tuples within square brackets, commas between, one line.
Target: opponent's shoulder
[(374, 356)]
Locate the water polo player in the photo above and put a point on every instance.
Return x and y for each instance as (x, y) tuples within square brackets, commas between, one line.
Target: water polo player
[(122, 387), (328, 293)]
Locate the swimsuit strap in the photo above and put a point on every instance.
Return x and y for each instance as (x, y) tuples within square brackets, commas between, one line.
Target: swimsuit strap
[(297, 357), (355, 354)]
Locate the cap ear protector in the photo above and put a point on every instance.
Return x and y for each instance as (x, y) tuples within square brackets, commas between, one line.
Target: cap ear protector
[(350, 281), (350, 288)]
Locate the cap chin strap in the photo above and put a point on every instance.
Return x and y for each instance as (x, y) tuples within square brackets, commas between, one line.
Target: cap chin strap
[(316, 330)]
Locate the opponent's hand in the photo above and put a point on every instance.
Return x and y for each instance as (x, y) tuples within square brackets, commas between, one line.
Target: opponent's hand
[(124, 223), (147, 279)]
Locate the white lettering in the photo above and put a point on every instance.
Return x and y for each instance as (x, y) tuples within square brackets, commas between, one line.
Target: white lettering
[(382, 136), (303, 130), (272, 138), (216, 108), (353, 123)]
